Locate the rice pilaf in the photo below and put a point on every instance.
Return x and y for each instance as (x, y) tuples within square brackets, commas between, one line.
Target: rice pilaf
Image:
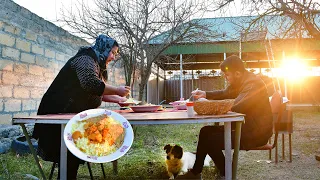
[(98, 136)]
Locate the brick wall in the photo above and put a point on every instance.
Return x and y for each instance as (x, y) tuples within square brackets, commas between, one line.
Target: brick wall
[(32, 51)]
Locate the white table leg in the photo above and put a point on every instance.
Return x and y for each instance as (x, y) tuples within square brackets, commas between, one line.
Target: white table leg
[(227, 150), (63, 156)]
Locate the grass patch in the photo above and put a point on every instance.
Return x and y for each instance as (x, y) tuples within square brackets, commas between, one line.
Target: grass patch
[(145, 159)]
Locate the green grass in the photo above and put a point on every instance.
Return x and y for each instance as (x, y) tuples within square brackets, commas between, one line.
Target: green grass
[(145, 159)]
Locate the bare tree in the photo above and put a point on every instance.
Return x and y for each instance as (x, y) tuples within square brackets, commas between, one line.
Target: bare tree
[(304, 14), (135, 24)]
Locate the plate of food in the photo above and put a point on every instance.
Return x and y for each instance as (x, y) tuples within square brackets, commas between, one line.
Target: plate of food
[(180, 105), (128, 102), (145, 108), (98, 135)]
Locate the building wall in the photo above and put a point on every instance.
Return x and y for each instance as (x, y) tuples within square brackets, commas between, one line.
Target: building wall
[(32, 51)]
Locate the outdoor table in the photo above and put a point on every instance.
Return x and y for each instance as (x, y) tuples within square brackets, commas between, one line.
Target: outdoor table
[(147, 118), (302, 106)]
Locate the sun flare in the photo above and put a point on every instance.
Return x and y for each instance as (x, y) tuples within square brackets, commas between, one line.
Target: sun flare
[(293, 69)]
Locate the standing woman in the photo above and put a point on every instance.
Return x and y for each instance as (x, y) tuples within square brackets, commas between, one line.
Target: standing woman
[(80, 85)]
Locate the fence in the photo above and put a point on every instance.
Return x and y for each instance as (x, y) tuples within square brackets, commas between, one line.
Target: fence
[(206, 83), (298, 91)]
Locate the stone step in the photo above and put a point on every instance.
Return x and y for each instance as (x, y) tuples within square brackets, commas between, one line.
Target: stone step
[(9, 132)]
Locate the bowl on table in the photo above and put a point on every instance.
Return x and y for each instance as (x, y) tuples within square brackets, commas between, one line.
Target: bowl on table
[(145, 108), (213, 107), (180, 105), (125, 104), (129, 102)]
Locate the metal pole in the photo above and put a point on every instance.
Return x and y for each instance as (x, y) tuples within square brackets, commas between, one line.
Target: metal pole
[(284, 78), (63, 156), (225, 80), (227, 147), (181, 76), (192, 78), (158, 97), (147, 93), (240, 48), (236, 149), (165, 84), (33, 151)]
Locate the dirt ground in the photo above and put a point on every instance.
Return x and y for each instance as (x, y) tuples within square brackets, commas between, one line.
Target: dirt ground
[(305, 145)]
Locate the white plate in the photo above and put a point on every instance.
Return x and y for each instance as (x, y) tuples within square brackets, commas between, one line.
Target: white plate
[(128, 139)]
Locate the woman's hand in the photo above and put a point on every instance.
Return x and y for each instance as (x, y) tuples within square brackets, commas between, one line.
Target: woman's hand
[(198, 94), (113, 98), (123, 90), (122, 99)]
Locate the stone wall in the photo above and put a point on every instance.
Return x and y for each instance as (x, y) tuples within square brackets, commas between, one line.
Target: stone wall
[(32, 51)]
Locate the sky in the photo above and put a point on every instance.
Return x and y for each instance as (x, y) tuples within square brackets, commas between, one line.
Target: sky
[(49, 10)]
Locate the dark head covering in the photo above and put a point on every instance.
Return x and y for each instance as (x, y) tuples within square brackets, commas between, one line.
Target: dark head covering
[(232, 64), (102, 48)]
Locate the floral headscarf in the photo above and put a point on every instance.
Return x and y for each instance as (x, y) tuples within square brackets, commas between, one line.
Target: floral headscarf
[(102, 48)]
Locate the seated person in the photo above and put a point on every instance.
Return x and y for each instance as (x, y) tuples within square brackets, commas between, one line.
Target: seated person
[(251, 99)]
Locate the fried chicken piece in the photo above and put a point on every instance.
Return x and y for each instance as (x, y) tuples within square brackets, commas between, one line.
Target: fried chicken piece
[(95, 137), (76, 135), (104, 133), (104, 121), (100, 126), (115, 131), (99, 138), (110, 141), (108, 138), (87, 125), (97, 118), (91, 129), (98, 131)]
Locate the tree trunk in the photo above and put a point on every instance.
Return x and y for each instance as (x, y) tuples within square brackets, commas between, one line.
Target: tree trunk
[(141, 91)]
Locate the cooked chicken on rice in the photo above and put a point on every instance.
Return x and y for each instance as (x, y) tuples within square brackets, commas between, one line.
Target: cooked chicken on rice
[(98, 136)]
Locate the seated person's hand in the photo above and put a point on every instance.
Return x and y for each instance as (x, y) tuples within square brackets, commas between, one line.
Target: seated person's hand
[(198, 94), (123, 90)]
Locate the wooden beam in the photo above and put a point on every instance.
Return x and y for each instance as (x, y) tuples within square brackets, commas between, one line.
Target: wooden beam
[(216, 65), (252, 46)]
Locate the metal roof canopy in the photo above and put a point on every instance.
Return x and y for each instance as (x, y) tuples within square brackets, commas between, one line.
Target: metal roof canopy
[(209, 54)]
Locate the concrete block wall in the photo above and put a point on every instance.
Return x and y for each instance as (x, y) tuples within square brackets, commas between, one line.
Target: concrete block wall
[(32, 51)]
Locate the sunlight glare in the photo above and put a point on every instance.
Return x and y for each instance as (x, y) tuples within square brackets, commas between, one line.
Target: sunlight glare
[(293, 69)]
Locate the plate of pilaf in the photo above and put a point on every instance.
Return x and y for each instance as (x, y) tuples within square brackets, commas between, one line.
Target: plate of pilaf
[(98, 135)]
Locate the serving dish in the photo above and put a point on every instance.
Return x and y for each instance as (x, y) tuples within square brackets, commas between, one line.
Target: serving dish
[(125, 104), (180, 105), (123, 148), (145, 108)]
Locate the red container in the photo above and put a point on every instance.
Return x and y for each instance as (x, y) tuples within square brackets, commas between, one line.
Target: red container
[(190, 103)]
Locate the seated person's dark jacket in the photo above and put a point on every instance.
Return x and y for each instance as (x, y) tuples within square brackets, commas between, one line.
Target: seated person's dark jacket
[(251, 99)]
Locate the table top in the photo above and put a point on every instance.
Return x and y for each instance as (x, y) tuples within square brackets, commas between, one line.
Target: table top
[(301, 106), (159, 117)]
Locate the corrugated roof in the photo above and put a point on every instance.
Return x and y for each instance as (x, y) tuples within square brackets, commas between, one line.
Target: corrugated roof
[(229, 29)]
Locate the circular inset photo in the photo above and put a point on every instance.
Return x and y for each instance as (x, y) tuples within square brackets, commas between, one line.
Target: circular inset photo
[(98, 135)]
